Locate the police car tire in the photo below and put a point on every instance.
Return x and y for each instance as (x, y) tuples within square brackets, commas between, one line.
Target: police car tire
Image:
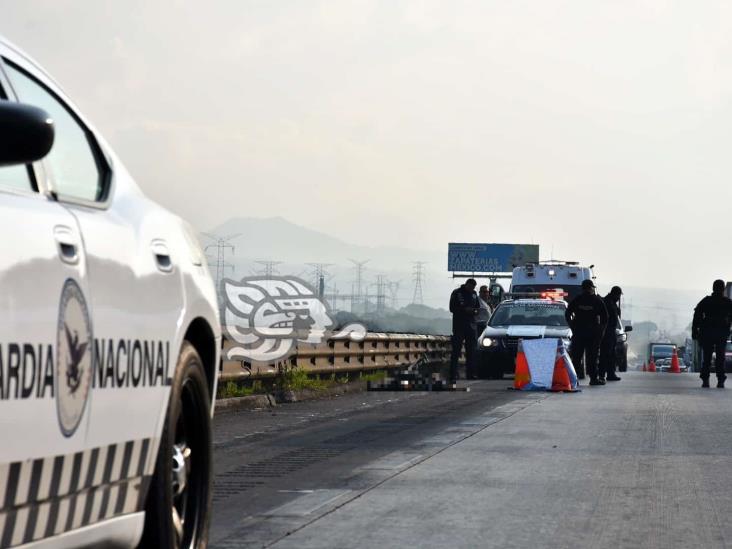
[(159, 528)]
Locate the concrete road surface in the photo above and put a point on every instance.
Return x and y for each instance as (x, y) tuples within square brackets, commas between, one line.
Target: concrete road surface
[(646, 462)]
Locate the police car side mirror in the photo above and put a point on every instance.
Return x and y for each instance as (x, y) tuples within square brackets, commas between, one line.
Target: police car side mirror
[(26, 133)]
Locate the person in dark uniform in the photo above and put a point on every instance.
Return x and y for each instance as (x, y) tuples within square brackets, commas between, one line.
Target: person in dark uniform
[(587, 316), (464, 308), (711, 325), (485, 311), (609, 340)]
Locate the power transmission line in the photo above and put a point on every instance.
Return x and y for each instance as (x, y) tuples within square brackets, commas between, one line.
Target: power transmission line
[(393, 288), (319, 275), (357, 300), (380, 284), (417, 277), (269, 268), (221, 244)]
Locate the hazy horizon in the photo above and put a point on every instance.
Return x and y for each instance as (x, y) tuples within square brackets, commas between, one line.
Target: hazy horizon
[(596, 130), (294, 249)]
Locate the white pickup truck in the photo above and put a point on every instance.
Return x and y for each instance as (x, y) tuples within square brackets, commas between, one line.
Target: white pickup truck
[(549, 279)]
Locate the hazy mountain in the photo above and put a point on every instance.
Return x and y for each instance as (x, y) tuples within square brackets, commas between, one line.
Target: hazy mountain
[(295, 246), (275, 238)]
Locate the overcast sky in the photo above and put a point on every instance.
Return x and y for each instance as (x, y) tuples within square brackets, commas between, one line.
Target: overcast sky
[(601, 130)]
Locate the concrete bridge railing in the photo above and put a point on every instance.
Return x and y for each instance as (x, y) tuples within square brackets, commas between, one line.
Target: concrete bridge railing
[(376, 352)]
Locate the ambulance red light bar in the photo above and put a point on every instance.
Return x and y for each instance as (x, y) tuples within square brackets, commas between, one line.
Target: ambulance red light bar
[(556, 294)]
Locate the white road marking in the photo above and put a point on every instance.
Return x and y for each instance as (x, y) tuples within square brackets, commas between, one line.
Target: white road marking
[(307, 503), (394, 461)]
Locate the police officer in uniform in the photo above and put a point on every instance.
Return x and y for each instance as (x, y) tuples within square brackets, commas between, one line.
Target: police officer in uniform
[(464, 308), (711, 325), (587, 316), (610, 340), (485, 311)]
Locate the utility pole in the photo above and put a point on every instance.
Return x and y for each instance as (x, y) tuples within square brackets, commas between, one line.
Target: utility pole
[(393, 288), (357, 294), (628, 306), (319, 275), (417, 277), (334, 299), (380, 284), (269, 268), (221, 244)]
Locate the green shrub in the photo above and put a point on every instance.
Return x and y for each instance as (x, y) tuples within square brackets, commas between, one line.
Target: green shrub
[(374, 376), (233, 390), (296, 379)]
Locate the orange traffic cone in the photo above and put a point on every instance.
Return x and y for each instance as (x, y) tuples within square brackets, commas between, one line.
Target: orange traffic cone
[(522, 377), (675, 367), (560, 380), (643, 368), (651, 365)]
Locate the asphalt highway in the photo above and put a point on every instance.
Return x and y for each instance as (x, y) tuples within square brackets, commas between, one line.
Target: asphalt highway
[(641, 463)]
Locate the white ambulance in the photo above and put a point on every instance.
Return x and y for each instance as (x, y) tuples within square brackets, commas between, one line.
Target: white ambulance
[(549, 280), (109, 339)]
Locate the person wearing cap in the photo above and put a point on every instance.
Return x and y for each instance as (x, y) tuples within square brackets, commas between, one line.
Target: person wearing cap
[(484, 311), (464, 308), (610, 340), (587, 317), (710, 327)]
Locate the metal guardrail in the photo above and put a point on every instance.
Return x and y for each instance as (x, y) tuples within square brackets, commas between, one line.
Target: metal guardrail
[(376, 352)]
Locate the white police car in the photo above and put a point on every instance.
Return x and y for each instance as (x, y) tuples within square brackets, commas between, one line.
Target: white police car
[(517, 319), (109, 339)]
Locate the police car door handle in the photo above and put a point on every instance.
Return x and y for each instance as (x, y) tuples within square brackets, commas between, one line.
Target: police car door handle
[(162, 256), (68, 245)]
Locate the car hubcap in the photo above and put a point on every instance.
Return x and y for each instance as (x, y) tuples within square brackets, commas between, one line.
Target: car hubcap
[(181, 465), (181, 469)]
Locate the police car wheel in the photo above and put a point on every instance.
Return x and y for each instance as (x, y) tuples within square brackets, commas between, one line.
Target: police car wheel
[(179, 500)]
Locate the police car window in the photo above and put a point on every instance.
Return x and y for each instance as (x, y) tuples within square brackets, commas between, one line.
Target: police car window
[(14, 177), (72, 161)]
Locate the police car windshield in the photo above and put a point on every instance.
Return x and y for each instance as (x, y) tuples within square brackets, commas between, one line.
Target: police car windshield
[(529, 314)]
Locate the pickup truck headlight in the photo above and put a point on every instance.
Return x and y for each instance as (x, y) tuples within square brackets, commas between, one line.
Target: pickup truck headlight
[(488, 342)]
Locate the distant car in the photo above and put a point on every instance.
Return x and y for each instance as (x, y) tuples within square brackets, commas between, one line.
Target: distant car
[(513, 320), (691, 351), (109, 339), (692, 345), (660, 351), (664, 365), (621, 348), (728, 357)]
